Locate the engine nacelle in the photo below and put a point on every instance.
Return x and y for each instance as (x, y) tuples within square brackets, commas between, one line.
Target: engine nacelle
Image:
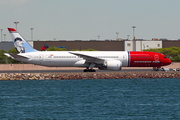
[(111, 65)]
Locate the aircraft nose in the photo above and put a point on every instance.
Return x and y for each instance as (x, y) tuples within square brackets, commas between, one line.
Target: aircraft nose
[(167, 61)]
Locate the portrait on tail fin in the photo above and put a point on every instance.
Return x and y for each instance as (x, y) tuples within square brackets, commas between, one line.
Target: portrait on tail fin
[(21, 45), (18, 43)]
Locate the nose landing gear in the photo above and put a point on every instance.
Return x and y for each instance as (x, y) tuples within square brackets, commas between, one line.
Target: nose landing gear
[(156, 68)]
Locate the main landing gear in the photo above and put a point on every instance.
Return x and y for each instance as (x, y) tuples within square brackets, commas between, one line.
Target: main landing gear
[(90, 68)]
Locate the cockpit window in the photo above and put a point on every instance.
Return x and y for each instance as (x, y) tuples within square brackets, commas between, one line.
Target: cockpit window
[(165, 57)]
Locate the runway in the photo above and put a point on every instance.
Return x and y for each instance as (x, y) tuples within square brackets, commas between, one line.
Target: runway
[(30, 68), (68, 71)]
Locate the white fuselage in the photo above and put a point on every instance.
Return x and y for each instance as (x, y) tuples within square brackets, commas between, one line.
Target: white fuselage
[(66, 59)]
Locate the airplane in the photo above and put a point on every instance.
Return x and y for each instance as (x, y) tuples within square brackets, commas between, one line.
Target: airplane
[(103, 60)]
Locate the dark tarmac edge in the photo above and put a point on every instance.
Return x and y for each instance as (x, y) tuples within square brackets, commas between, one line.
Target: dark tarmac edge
[(89, 75), (65, 71)]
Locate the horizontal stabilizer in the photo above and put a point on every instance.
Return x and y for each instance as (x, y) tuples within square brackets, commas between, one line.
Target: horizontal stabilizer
[(15, 56)]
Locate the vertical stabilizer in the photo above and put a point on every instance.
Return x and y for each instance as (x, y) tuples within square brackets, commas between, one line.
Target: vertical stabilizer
[(19, 42)]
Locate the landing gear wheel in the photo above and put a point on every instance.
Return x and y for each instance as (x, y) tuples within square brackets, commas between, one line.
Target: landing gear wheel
[(156, 68), (89, 70)]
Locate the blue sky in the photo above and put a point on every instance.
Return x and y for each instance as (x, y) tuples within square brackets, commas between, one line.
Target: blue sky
[(85, 19)]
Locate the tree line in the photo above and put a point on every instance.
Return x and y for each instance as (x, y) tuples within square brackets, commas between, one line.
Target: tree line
[(5, 60), (64, 49), (173, 53)]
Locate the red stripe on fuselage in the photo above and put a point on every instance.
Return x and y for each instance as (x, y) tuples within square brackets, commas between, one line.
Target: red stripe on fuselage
[(147, 59)]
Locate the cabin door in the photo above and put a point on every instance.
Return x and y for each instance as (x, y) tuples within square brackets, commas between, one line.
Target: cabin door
[(48, 58), (41, 57), (124, 57)]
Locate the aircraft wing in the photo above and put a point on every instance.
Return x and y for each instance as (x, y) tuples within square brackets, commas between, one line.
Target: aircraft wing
[(88, 58), (15, 56)]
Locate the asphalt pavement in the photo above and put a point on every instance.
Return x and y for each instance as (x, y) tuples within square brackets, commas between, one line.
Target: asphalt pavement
[(68, 71)]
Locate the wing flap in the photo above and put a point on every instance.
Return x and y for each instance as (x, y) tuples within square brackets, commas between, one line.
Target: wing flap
[(88, 58)]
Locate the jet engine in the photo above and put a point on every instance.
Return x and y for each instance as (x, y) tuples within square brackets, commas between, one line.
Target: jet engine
[(111, 65)]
